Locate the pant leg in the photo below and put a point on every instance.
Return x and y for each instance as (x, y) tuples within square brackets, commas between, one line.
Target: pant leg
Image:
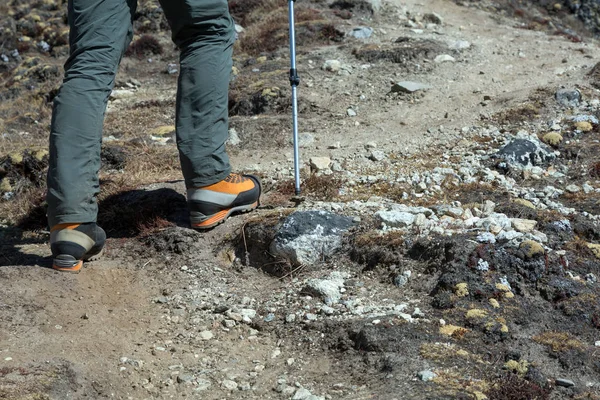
[(204, 32), (100, 31)]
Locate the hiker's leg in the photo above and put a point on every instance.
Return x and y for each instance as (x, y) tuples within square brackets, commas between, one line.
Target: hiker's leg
[(204, 31), (100, 31)]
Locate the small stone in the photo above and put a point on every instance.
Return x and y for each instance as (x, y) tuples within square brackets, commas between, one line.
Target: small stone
[(597, 344), (332, 65), (377, 155), (486, 237), (335, 146), (361, 32), (302, 394), (426, 375), (234, 138), (433, 18), (523, 225), (444, 58), (202, 384), (185, 378), (320, 163), (172, 69), (564, 382), (396, 219), (583, 126), (351, 113), (290, 361), (460, 45), (8, 359), (400, 280), (229, 384), (573, 189), (290, 318), (305, 139), (275, 353), (409, 87), (311, 317), (228, 323), (205, 335)]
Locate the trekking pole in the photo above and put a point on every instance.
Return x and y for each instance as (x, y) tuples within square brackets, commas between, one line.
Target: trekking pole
[(294, 82)]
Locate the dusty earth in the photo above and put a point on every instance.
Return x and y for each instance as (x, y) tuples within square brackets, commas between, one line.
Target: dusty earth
[(444, 308)]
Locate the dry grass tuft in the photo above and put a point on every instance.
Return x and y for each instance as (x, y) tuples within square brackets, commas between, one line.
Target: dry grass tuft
[(270, 32), (559, 341)]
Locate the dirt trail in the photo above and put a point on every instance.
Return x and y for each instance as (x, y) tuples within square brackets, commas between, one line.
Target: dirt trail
[(142, 324)]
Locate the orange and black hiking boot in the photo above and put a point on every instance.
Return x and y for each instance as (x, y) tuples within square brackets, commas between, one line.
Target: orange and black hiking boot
[(211, 205), (72, 244)]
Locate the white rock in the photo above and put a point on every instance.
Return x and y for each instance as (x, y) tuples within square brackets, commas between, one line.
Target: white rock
[(234, 138), (444, 58), (573, 189), (460, 45), (302, 394), (229, 384), (523, 225), (332, 65), (320, 163), (396, 219), (205, 335)]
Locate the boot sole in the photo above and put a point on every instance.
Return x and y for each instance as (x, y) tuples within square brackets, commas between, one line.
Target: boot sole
[(67, 263), (221, 216)]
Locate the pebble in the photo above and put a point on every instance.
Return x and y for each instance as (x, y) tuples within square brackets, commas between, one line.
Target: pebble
[(320, 163), (597, 344), (460, 45), (426, 375), (351, 113), (396, 219), (377, 155), (564, 382), (444, 58), (573, 188), (302, 394), (332, 65), (172, 69), (229, 384), (361, 32), (185, 378), (205, 335), (486, 237), (202, 384), (523, 225)]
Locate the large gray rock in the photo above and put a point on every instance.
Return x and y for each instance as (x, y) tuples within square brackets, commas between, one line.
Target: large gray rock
[(524, 152), (568, 97), (306, 237)]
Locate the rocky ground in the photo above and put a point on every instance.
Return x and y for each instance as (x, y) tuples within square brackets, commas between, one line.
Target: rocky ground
[(446, 244)]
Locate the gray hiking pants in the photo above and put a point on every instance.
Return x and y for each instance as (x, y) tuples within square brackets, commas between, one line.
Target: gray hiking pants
[(101, 31)]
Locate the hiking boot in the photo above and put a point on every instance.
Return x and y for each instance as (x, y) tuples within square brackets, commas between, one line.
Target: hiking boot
[(72, 244), (211, 205)]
